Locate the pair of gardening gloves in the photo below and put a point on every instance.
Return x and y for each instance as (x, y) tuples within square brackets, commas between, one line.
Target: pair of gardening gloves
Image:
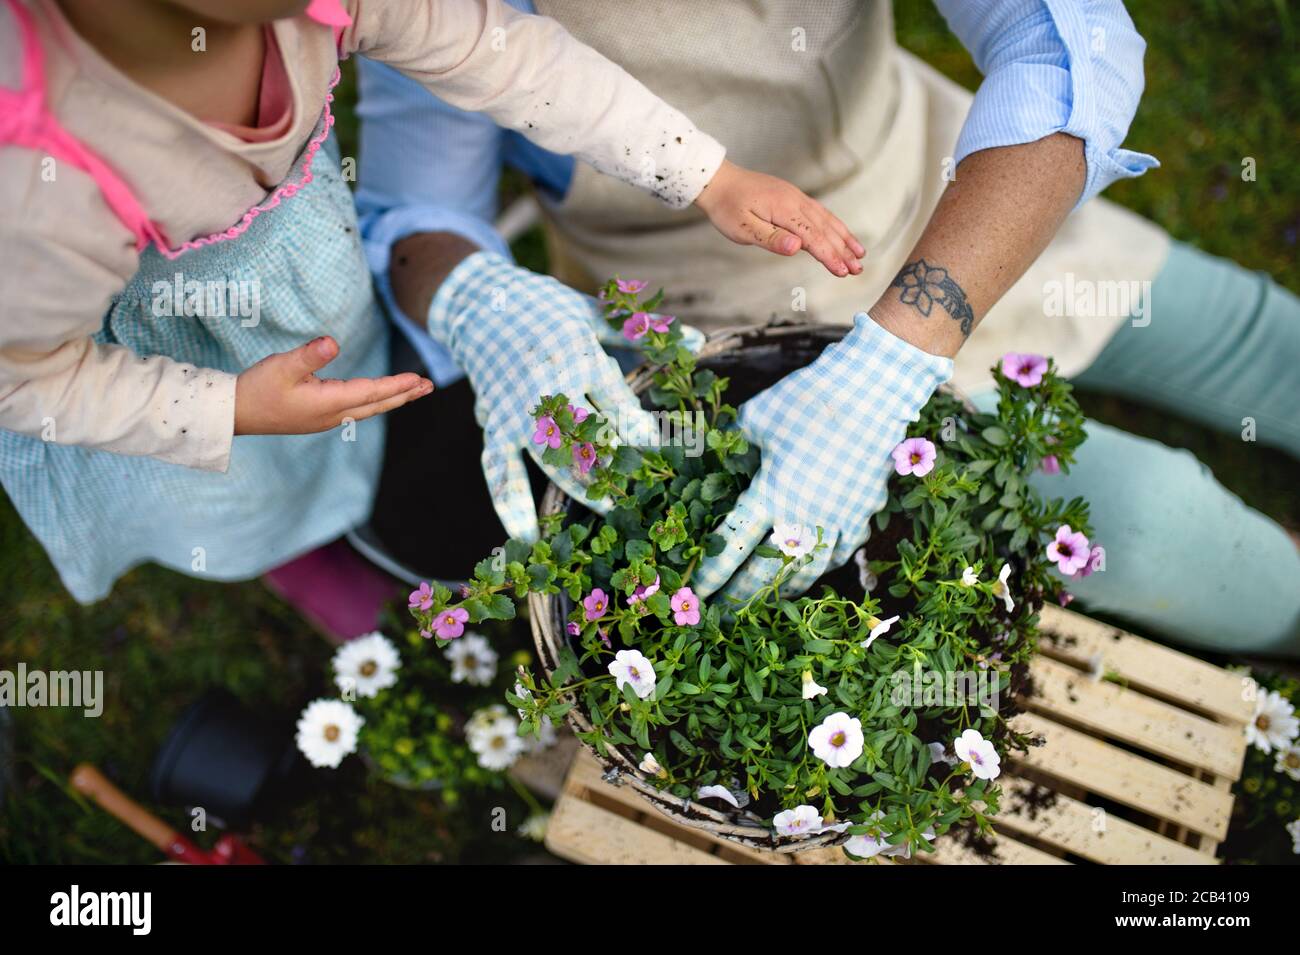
[(825, 432)]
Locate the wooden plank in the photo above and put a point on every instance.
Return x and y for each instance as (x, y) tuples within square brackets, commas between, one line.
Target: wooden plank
[(1009, 852), (1073, 826), (1145, 664), (581, 832), (1126, 714), (1124, 777)]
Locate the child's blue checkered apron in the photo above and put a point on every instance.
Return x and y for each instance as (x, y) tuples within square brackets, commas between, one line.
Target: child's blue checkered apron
[(99, 514)]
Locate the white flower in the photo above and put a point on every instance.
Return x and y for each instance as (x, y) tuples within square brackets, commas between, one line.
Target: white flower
[(869, 846), (799, 821), (969, 578), (493, 736), (523, 693), (938, 754), (650, 766), (837, 740), (794, 540), (1002, 589), (1275, 725), (877, 628), (973, 748), (472, 660), (367, 664), (810, 686), (1293, 829), (866, 578), (534, 826), (327, 731), (717, 792), (631, 666), (1288, 761)]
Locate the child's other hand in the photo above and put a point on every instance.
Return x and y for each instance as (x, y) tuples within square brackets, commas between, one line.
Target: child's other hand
[(751, 208), (282, 395)]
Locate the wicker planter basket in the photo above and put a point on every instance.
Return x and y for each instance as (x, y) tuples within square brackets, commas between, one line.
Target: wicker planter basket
[(780, 349)]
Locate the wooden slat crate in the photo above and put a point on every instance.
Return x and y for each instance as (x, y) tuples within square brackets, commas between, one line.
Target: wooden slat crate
[(1142, 745)]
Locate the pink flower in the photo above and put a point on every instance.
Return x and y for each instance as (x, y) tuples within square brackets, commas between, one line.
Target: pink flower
[(604, 637), (450, 624), (642, 592), (660, 323), (584, 456), (1069, 550), (1027, 370), (548, 432), (686, 609), (422, 598), (596, 603), (631, 286), (1093, 563), (914, 456), (1065, 599), (636, 327), (572, 628), (579, 413), (1050, 464)]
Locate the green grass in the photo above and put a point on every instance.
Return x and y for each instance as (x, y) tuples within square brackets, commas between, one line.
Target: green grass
[(1223, 82)]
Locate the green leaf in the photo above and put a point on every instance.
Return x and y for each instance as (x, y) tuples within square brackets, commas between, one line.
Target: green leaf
[(995, 436)]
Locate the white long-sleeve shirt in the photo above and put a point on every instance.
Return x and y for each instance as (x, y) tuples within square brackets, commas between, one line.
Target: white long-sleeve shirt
[(64, 255)]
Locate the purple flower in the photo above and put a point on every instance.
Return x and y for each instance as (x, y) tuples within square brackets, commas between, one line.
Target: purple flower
[(572, 628), (1069, 550), (596, 603), (579, 413), (604, 637), (914, 456), (635, 328), (1050, 464), (450, 624), (548, 432), (1093, 563), (631, 286), (1027, 370), (584, 456), (422, 598), (686, 609), (642, 592), (660, 323)]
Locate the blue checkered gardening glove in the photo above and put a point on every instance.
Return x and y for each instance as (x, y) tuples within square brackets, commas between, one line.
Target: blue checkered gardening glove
[(825, 434), (519, 336)]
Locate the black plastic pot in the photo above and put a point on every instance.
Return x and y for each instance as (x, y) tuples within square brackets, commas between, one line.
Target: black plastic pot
[(222, 757)]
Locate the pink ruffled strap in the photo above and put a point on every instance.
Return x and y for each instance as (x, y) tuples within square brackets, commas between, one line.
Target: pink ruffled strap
[(25, 121), (331, 14)]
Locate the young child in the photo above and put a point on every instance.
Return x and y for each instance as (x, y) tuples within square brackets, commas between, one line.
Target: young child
[(172, 231)]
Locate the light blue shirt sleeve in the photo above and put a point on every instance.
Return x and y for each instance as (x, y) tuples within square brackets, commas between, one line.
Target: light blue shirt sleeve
[(1053, 66)]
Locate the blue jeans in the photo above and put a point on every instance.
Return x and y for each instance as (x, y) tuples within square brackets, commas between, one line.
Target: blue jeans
[(1185, 559)]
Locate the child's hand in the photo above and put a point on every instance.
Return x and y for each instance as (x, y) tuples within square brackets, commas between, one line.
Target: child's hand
[(282, 395), (751, 208)]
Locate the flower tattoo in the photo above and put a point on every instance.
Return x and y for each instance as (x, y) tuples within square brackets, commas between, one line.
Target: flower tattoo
[(924, 285)]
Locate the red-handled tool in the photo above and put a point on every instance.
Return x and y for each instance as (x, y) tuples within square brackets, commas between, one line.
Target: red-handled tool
[(89, 781)]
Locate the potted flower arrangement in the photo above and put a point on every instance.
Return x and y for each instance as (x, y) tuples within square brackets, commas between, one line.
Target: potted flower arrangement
[(871, 712), (420, 720), (1266, 813)]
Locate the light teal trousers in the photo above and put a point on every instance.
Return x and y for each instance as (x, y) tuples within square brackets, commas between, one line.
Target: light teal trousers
[(1186, 560)]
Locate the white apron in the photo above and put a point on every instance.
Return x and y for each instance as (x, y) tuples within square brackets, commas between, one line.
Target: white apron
[(820, 94)]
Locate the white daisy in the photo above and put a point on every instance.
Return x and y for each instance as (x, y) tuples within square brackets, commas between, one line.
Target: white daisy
[(878, 627), (367, 665), (1275, 725), (1293, 829), (534, 826), (483, 722), (472, 660), (837, 740), (327, 731), (969, 578), (794, 540), (496, 740), (1288, 761), (1002, 589), (973, 748), (811, 688), (631, 667)]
